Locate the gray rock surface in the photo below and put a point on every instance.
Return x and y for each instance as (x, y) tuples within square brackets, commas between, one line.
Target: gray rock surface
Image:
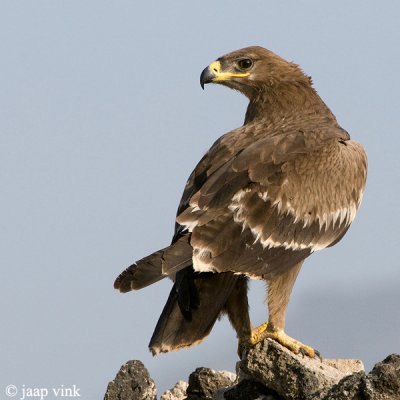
[(178, 392), (132, 382), (250, 390), (383, 382), (269, 372), (205, 383), (349, 388), (292, 376)]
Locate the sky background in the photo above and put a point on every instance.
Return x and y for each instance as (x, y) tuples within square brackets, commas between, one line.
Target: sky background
[(102, 119)]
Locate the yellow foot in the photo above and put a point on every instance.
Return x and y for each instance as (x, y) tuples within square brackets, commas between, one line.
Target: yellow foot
[(267, 331), (257, 334), (245, 343)]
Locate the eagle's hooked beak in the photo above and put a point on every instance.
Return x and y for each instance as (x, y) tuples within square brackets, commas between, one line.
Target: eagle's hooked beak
[(213, 73), (209, 73)]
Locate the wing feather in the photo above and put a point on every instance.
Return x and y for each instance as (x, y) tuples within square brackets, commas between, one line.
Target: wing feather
[(268, 197)]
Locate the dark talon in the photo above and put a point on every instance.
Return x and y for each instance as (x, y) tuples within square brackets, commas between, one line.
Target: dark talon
[(302, 352)]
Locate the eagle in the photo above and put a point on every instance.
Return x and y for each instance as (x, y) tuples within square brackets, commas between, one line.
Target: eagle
[(265, 196)]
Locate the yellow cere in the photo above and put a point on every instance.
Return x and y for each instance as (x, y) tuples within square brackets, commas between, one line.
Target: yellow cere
[(215, 67)]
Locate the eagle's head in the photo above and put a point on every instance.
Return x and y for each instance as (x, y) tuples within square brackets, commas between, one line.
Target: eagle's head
[(252, 69)]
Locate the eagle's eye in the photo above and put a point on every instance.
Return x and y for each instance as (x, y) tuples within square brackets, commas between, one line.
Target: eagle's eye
[(245, 63)]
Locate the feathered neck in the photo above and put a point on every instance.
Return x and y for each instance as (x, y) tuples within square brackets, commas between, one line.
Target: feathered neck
[(284, 100)]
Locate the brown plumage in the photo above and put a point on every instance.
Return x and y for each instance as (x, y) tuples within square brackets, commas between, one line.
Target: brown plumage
[(264, 197)]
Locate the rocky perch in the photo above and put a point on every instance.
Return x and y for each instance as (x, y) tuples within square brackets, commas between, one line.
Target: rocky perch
[(269, 372)]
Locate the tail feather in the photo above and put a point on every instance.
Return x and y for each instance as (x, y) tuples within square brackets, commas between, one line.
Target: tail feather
[(174, 331), (156, 266), (144, 272), (195, 301)]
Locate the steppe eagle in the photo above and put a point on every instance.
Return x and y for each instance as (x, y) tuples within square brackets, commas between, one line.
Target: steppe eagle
[(263, 198)]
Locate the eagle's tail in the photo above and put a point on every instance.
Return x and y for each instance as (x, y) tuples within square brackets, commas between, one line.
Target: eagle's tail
[(156, 266), (196, 299), (193, 306)]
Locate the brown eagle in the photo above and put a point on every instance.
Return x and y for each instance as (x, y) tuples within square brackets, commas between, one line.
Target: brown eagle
[(263, 198)]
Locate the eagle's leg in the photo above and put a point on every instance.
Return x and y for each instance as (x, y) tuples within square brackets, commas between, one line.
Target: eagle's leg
[(279, 290), (237, 308)]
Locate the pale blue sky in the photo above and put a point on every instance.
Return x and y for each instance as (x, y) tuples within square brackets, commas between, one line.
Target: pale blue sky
[(102, 119)]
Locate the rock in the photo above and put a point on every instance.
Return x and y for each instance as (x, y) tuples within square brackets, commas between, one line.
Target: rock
[(250, 390), (204, 383), (349, 388), (383, 382), (178, 392), (132, 382), (292, 376), (269, 372)]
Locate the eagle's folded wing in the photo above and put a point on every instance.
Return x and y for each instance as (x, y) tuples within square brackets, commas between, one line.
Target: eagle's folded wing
[(274, 202)]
